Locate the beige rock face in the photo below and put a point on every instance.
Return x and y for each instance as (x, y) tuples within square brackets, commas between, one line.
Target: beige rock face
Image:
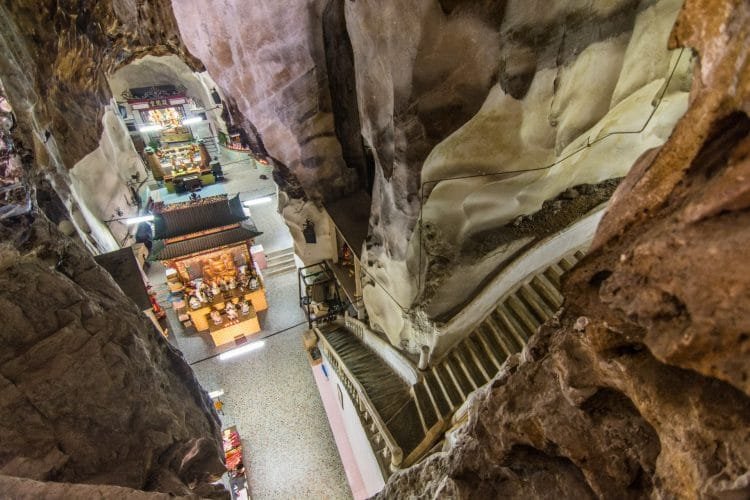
[(567, 100), (268, 57), (639, 388)]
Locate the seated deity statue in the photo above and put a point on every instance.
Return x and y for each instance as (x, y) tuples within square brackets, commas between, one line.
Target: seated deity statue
[(194, 301), (216, 317), (245, 307), (231, 311)]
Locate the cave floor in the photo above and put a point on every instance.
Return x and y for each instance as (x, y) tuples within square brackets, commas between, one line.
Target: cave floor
[(269, 394)]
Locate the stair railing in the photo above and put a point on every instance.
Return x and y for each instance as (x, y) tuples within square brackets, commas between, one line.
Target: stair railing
[(362, 402), (384, 349)]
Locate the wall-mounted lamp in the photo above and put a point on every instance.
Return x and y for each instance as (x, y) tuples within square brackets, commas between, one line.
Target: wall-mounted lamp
[(257, 201), (138, 220), (192, 120)]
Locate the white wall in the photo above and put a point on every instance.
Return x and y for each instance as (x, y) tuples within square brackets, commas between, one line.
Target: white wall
[(99, 182), (363, 454)]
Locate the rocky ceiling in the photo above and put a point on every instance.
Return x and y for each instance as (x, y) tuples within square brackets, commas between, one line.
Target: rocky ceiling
[(640, 387)]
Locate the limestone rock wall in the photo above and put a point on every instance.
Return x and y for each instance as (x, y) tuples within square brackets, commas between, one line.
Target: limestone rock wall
[(56, 58), (89, 391), (268, 58), (639, 388), (485, 112)]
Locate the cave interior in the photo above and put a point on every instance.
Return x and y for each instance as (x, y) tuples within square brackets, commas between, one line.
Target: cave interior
[(514, 233)]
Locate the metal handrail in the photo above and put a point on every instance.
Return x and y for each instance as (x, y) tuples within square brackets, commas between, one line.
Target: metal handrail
[(385, 350), (397, 454)]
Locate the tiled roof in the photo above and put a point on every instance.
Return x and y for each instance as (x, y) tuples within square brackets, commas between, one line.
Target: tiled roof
[(193, 218), (164, 251)]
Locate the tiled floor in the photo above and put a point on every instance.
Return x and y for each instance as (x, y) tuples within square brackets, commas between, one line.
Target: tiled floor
[(269, 394)]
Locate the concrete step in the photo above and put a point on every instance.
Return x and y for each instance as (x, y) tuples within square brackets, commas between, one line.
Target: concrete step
[(547, 290), (510, 330), (274, 271), (279, 261), (436, 394), (277, 253), (536, 303)]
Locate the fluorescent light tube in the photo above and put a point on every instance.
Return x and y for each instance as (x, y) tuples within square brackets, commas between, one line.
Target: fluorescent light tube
[(137, 220), (191, 120), (241, 350), (216, 394), (257, 201)]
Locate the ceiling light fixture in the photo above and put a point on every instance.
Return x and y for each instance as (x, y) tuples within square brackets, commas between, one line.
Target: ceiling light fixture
[(216, 394), (151, 128), (241, 350), (191, 120), (257, 201)]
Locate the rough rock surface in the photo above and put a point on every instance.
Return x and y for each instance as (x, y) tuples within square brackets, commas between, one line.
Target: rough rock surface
[(90, 392), (27, 489), (269, 57), (640, 387), (56, 58)]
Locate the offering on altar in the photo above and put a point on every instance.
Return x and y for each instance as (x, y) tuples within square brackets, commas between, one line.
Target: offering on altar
[(216, 317), (195, 302), (245, 307), (231, 311)]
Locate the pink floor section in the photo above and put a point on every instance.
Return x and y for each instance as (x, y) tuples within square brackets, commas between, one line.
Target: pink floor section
[(336, 421)]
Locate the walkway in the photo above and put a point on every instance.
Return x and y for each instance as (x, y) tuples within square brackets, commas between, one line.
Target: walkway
[(269, 394)]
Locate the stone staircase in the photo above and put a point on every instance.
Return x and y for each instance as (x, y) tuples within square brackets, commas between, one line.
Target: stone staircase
[(404, 420), (475, 360), (211, 148), (279, 262), (383, 399)]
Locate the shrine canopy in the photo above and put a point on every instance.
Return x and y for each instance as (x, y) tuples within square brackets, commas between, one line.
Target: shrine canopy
[(182, 229), (180, 219)]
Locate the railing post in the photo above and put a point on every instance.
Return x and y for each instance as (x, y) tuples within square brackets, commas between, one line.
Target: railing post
[(397, 456), (424, 358)]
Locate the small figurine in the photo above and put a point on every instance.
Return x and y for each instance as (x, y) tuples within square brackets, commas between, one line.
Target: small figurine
[(216, 317), (253, 283), (232, 284), (199, 293), (195, 302), (215, 288), (223, 284), (244, 282), (231, 311), (245, 307)]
